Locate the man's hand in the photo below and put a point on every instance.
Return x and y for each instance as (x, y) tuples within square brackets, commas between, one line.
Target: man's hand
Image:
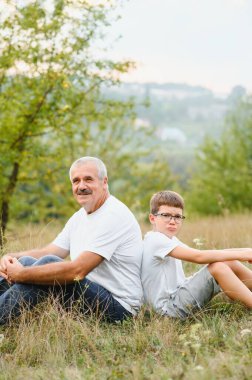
[(14, 268), (3, 265)]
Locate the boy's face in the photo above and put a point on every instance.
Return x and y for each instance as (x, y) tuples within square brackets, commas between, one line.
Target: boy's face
[(162, 221)]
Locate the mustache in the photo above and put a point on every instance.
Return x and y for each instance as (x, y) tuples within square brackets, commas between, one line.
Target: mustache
[(84, 192)]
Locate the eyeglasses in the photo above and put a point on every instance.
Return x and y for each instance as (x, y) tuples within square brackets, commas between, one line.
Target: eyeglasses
[(168, 217)]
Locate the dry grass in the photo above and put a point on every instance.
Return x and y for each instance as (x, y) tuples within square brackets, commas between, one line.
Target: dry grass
[(30, 236), (220, 231), (51, 343)]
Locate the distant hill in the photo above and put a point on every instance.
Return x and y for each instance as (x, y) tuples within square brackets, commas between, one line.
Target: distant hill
[(181, 115)]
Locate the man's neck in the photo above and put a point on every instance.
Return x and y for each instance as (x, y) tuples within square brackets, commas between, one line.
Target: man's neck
[(101, 201)]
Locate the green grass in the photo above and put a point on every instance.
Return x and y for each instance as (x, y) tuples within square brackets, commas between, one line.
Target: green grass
[(50, 343)]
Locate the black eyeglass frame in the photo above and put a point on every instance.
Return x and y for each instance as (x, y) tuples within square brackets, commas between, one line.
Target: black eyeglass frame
[(177, 218)]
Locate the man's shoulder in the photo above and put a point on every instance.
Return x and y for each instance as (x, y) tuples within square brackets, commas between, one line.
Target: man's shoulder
[(119, 208), (79, 214), (113, 201)]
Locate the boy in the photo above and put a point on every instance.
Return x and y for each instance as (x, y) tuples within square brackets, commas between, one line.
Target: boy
[(165, 286)]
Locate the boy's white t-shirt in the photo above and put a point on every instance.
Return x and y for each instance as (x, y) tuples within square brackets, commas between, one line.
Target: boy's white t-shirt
[(161, 274), (112, 232)]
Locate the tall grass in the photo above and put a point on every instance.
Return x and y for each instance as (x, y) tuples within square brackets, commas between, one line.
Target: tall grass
[(49, 342)]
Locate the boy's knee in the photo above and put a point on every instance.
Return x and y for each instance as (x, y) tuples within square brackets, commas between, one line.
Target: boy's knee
[(218, 268)]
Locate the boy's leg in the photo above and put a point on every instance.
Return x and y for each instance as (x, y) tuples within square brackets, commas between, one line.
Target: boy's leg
[(241, 271), (192, 295), (231, 285)]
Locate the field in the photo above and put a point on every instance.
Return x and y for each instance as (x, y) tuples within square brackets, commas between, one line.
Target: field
[(51, 343)]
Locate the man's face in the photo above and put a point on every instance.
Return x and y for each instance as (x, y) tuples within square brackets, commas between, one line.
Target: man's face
[(163, 221), (88, 189)]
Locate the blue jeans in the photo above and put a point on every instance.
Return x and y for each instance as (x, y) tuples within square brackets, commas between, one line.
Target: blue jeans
[(91, 297)]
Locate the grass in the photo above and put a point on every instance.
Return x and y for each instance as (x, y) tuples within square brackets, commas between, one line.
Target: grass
[(49, 342)]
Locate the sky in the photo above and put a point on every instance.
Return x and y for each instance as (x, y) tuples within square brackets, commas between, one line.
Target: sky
[(198, 42)]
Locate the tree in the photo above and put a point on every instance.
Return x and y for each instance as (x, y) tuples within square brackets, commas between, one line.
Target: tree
[(50, 95), (223, 180)]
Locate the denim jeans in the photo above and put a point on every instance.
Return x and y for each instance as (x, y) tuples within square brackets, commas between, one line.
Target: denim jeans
[(89, 296)]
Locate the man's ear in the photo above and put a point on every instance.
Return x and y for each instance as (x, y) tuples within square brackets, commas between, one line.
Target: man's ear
[(105, 181)]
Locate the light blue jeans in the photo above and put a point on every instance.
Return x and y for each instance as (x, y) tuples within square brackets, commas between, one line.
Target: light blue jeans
[(91, 296)]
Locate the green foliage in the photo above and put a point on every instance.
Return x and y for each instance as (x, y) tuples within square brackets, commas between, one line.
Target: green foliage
[(52, 110), (143, 179), (223, 181)]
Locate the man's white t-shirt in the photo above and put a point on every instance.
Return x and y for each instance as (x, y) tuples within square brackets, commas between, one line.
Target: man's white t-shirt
[(161, 274), (112, 232)]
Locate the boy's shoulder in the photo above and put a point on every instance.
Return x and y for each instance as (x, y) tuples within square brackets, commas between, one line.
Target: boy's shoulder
[(158, 245), (155, 239)]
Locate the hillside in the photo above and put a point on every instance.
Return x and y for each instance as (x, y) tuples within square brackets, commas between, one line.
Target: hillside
[(181, 116)]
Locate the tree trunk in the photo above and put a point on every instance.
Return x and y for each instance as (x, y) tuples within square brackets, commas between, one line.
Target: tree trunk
[(6, 201)]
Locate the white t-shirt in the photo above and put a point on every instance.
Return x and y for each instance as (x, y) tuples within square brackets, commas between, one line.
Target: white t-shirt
[(112, 232), (161, 274)]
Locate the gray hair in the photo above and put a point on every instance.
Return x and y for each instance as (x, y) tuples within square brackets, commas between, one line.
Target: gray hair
[(102, 170)]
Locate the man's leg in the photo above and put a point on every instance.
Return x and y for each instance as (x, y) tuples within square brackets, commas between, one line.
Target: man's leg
[(25, 261), (19, 295), (231, 285), (98, 300), (4, 285)]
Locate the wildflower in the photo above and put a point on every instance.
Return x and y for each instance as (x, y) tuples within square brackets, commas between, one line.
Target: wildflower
[(196, 346), (187, 343), (245, 332), (182, 337), (194, 328), (198, 242), (198, 368), (206, 332)]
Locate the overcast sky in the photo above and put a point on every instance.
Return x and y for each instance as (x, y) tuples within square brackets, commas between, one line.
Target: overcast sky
[(199, 42)]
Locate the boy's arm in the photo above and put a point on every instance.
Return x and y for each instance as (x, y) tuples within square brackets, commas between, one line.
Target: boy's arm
[(237, 249), (212, 255)]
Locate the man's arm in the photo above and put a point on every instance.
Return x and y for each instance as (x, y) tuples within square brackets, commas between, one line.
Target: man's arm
[(50, 249), (212, 255), (54, 273)]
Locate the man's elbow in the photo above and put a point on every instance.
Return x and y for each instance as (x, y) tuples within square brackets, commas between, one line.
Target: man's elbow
[(77, 273)]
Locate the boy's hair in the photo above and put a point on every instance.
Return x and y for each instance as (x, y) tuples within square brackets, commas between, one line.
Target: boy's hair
[(167, 198)]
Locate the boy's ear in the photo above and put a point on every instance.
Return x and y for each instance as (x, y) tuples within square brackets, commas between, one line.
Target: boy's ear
[(152, 218)]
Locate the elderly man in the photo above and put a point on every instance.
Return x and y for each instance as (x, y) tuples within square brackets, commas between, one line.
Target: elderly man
[(104, 241)]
